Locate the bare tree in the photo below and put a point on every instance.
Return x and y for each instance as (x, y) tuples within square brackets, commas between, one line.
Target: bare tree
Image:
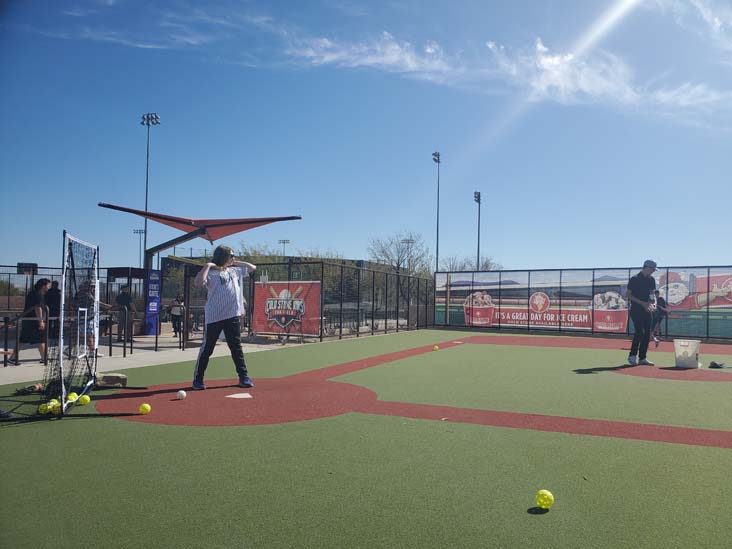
[(487, 264), (404, 252)]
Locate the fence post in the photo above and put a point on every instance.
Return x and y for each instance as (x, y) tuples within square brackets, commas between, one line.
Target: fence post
[(6, 320), (386, 300), (340, 327), (373, 300), (358, 303), (47, 315)]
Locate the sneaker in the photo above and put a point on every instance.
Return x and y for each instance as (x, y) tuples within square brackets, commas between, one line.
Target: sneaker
[(245, 381), (645, 362), (198, 385), (632, 360)]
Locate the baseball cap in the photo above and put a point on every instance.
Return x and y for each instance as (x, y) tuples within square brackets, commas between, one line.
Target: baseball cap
[(649, 263)]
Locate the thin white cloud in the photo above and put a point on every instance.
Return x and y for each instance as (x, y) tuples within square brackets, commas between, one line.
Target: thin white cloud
[(385, 53), (78, 12), (600, 77), (691, 95), (114, 37), (565, 79), (709, 19)]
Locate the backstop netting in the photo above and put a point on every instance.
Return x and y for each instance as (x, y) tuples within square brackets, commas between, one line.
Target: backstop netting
[(72, 364)]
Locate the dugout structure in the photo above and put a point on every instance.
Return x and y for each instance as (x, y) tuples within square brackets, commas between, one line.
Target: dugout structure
[(72, 365)]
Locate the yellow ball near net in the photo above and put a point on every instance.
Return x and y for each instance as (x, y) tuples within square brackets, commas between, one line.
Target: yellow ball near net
[(544, 499), (84, 400)]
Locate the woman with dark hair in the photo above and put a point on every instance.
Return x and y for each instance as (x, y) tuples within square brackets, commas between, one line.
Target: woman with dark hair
[(33, 324), (224, 306)]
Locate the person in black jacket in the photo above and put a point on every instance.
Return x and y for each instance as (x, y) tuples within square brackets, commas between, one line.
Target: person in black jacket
[(640, 290), (53, 300)]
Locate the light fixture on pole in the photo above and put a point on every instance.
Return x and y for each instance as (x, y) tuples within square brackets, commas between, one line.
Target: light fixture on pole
[(139, 232), (476, 198), (284, 243), (408, 242), (436, 160), (149, 119)]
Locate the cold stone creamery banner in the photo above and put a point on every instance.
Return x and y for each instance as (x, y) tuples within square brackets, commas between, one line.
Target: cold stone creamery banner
[(286, 308), (610, 315)]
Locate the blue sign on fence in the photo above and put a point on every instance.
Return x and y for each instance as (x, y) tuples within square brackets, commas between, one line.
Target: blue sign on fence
[(152, 301)]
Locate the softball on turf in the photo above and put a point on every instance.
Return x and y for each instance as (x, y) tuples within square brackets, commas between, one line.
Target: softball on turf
[(436, 348), (56, 409), (145, 408), (544, 499), (84, 400), (43, 409), (181, 395), (53, 402), (72, 397)]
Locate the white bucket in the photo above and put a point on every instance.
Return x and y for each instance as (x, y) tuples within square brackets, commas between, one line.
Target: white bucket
[(687, 353)]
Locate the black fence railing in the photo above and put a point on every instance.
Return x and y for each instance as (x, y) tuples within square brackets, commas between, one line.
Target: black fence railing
[(699, 300)]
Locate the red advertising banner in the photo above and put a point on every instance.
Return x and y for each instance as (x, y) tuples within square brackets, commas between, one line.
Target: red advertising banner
[(541, 312), (286, 308), (689, 292)]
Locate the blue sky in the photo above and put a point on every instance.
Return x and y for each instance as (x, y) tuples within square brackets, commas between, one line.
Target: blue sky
[(599, 133)]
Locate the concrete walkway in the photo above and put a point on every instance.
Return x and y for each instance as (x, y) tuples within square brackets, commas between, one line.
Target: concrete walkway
[(31, 370)]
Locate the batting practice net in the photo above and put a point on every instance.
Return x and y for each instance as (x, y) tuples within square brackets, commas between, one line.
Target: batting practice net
[(72, 364)]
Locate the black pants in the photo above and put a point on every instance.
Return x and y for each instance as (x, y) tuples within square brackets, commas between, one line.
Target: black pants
[(232, 333), (642, 326), (176, 323)]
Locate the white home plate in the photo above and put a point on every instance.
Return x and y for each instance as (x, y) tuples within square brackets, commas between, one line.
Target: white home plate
[(239, 395)]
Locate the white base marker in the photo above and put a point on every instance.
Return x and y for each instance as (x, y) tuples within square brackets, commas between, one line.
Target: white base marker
[(239, 395)]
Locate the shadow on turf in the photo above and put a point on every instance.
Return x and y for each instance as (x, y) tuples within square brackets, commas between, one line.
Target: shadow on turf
[(602, 369), (537, 511), (20, 419)]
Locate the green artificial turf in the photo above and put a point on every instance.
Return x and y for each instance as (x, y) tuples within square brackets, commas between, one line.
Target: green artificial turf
[(361, 480), (543, 380)]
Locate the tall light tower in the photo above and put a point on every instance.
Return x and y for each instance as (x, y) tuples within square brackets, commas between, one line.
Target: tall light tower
[(408, 242), (139, 232), (476, 198), (436, 160), (284, 243), (149, 119)]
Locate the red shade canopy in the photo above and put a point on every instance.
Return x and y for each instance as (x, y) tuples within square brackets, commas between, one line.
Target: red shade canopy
[(212, 229)]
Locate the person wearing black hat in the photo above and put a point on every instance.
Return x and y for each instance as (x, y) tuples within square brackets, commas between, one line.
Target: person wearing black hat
[(640, 290)]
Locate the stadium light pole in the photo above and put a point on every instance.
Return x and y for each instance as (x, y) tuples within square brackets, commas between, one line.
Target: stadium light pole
[(476, 198), (436, 160), (148, 119), (408, 242), (139, 232), (284, 243)]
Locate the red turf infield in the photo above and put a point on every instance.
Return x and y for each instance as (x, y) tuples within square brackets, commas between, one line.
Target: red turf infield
[(310, 395)]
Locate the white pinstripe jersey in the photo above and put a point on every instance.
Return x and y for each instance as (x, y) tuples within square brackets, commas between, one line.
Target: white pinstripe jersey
[(225, 298)]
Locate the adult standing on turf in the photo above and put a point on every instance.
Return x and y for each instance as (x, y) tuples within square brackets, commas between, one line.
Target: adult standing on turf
[(122, 301), (53, 300), (640, 290), (33, 323), (224, 306)]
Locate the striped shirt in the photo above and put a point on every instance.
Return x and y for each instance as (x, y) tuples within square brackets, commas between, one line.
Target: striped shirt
[(225, 298)]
